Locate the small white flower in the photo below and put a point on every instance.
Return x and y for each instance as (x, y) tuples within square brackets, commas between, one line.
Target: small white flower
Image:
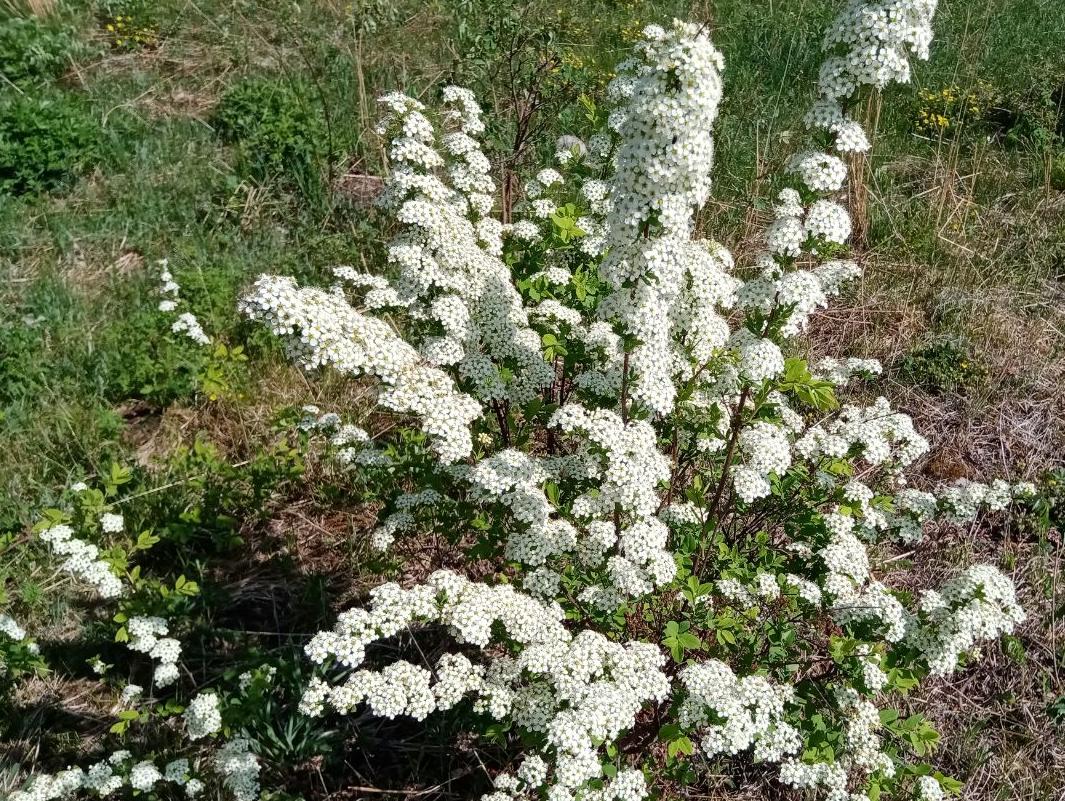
[(202, 716), (112, 523)]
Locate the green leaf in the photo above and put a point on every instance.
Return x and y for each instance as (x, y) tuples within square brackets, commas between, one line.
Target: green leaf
[(950, 784), (1014, 648), (839, 467), (670, 731), (796, 371), (681, 745), (690, 642)]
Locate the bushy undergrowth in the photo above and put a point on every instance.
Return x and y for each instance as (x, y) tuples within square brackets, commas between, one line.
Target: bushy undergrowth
[(673, 547), (278, 130), (944, 366), (46, 138), (34, 50)]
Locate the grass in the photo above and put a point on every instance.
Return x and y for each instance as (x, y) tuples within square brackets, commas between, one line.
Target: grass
[(962, 234)]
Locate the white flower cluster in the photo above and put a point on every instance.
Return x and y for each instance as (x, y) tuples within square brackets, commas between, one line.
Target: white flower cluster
[(202, 716), (515, 479), (959, 503), (760, 359), (859, 753), (821, 172), (579, 692), (805, 589), (929, 789), (980, 604), (964, 499), (108, 776), (765, 587), (348, 443), (111, 523), (846, 559), (403, 518), (548, 193), (855, 595), (876, 39), (670, 93), (799, 232), (263, 675), (870, 43), (733, 714), (873, 676), (841, 568), (600, 375), (470, 609), (186, 322), (863, 747), (147, 635), (582, 694), (463, 312), (734, 591), (766, 450), (664, 285), (802, 290), (447, 253), (322, 329), (239, 769), (829, 777), (880, 435), (840, 371), (620, 507), (82, 560), (10, 628)]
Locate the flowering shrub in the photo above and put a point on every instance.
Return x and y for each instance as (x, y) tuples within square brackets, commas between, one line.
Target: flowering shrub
[(687, 527)]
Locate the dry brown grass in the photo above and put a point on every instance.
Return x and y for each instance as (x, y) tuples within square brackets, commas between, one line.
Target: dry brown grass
[(238, 425), (26, 8), (1013, 422)]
